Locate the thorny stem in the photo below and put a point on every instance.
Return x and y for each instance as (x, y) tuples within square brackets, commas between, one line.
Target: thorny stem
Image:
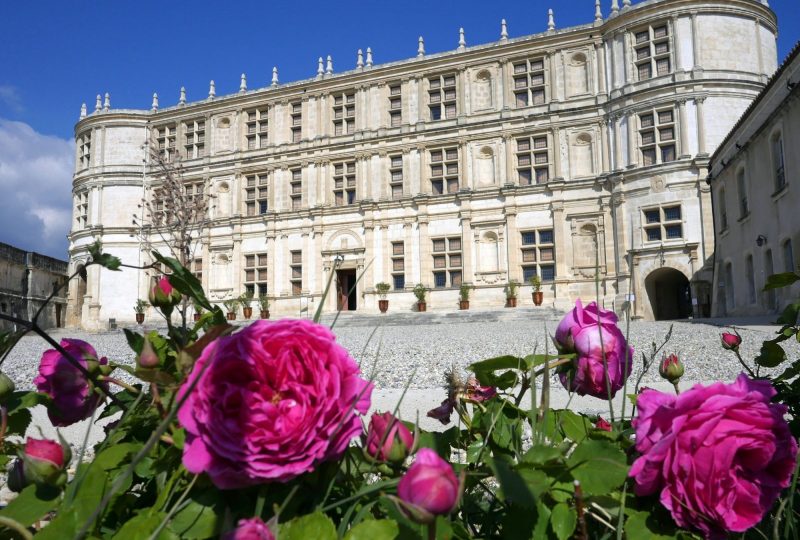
[(677, 389), (741, 361), (157, 400), (432, 530), (120, 383), (583, 533)]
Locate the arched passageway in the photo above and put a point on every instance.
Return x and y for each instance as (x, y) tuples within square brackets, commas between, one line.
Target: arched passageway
[(669, 294)]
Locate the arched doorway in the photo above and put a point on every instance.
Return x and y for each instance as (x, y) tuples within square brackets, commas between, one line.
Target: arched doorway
[(669, 294)]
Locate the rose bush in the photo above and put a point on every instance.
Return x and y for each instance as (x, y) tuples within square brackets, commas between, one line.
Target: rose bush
[(250, 529), (388, 439), (718, 455), (430, 487), (271, 402)]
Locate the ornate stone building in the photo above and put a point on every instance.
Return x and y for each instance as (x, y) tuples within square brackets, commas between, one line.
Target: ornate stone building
[(545, 154)]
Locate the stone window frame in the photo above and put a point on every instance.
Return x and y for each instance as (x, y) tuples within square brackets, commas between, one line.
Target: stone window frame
[(442, 96), (532, 245), (778, 160), (451, 254), (255, 278), (196, 265), (296, 121), (296, 188), (256, 193), (194, 138), (395, 100), (257, 127), (441, 183), (84, 150), (723, 209), (398, 265), (525, 158), (653, 141), (664, 224), (296, 272), (166, 137), (750, 278), (82, 208), (396, 176), (343, 112), (345, 183), (787, 252), (741, 191), (527, 68), (652, 49)]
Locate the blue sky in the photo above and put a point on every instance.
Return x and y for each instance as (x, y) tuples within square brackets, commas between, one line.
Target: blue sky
[(54, 55)]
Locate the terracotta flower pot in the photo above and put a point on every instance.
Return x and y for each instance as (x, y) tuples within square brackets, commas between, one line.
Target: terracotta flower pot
[(265, 314), (511, 302), (231, 316), (463, 304), (383, 305), (538, 297), (247, 312), (139, 318), (422, 306)]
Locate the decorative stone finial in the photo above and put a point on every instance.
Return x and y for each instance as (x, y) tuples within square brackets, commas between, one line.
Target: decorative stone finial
[(243, 84), (329, 66), (154, 106), (360, 59), (614, 8), (503, 31), (598, 14), (421, 48), (626, 4), (182, 100), (275, 76), (212, 90), (98, 104), (369, 57), (320, 69), (107, 102), (83, 110), (462, 43), (551, 23)]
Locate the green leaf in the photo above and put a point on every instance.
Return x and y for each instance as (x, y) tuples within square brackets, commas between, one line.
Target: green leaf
[(32, 504), (645, 525), (599, 465), (526, 524), (188, 284), (542, 454), (485, 371), (777, 281), (514, 487), (141, 526), (374, 529), (789, 315), (317, 526), (201, 518), (135, 340), (772, 355), (440, 442), (103, 259), (18, 422), (116, 456), (563, 520)]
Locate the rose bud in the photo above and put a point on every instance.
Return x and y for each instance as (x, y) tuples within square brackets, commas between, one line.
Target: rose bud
[(250, 529), (44, 462), (148, 358), (730, 341), (388, 439), (6, 387), (671, 368), (602, 424), (163, 294), (430, 488)]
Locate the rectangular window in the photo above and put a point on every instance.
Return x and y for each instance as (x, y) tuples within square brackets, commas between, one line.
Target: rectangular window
[(296, 121), (533, 160), (194, 133), (444, 170), (344, 113), (395, 106), (442, 97), (538, 254), (396, 176), (666, 223), (82, 209), (778, 162), (398, 266), (529, 82), (256, 194), (652, 52), (296, 189), (296, 272), (344, 183), (84, 150), (723, 211), (257, 128), (166, 137), (447, 262), (255, 273), (657, 137)]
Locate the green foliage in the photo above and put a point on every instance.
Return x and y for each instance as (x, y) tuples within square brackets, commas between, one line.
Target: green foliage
[(263, 302), (463, 292), (103, 259), (536, 282), (420, 291), (140, 306), (382, 288), (511, 289)]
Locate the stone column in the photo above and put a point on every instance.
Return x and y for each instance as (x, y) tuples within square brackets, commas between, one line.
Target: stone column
[(408, 252), (466, 247), (556, 146), (632, 153), (424, 176), (557, 208), (674, 42), (695, 42), (461, 80), (504, 84), (321, 280), (424, 251), (600, 59), (464, 176), (618, 165), (701, 126), (306, 255), (370, 255), (604, 149), (512, 245), (508, 150), (683, 126)]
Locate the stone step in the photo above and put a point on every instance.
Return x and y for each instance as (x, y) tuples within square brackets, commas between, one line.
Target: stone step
[(409, 318)]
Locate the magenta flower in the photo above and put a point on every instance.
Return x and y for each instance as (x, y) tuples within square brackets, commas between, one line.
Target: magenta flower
[(592, 334), (74, 397), (602, 424), (388, 439), (479, 394), (163, 294), (249, 529), (730, 341), (430, 487), (42, 462), (278, 398), (718, 455)]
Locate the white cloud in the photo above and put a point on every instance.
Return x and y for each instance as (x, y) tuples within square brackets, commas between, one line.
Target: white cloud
[(35, 189), (12, 99)]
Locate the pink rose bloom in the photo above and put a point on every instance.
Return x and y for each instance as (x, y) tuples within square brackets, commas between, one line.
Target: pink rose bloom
[(718, 455), (163, 294), (388, 439), (730, 341), (580, 332), (249, 529), (74, 397), (42, 462), (476, 392), (430, 485), (278, 398)]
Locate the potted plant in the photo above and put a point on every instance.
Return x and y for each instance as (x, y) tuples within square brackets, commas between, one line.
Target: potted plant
[(263, 301), (230, 305), (538, 295), (383, 289), (463, 296), (139, 308), (245, 300), (511, 294), (419, 292), (198, 312)]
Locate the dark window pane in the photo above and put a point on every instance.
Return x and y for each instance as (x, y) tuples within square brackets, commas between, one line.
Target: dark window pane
[(455, 279), (439, 279), (653, 234), (546, 236), (528, 238), (399, 282), (672, 213), (674, 231), (548, 272), (652, 216), (528, 272)]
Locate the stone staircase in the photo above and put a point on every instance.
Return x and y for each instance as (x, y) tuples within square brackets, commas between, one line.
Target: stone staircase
[(410, 318)]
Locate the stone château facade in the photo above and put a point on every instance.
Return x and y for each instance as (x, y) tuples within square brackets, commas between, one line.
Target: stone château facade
[(543, 154)]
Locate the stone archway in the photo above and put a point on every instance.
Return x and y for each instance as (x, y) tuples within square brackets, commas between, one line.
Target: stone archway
[(669, 294)]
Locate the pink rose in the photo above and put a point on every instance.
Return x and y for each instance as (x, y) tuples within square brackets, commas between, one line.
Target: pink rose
[(602, 424), (42, 462), (476, 392), (163, 294), (718, 455), (592, 334), (74, 397), (730, 341), (430, 487), (249, 529), (388, 439), (278, 398), (671, 368)]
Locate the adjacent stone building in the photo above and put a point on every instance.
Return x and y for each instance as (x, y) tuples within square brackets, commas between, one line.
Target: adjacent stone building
[(27, 279), (754, 180), (552, 154)]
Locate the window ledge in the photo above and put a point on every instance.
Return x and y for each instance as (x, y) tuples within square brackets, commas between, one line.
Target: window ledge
[(744, 219), (724, 232), (780, 193)]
